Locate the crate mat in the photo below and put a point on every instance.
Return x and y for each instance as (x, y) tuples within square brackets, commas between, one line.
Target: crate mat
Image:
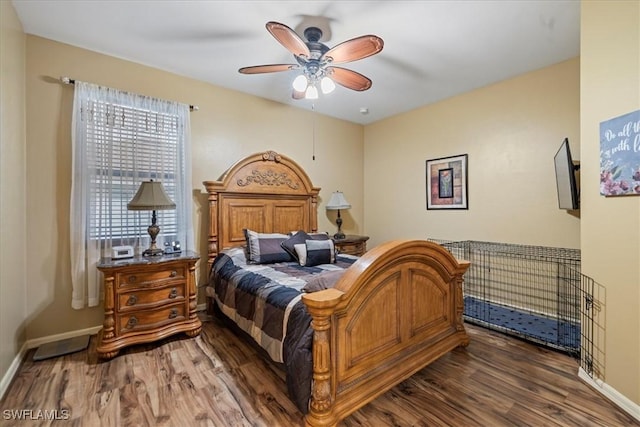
[(559, 333)]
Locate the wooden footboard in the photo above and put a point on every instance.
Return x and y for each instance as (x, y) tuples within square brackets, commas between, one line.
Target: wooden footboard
[(397, 309)]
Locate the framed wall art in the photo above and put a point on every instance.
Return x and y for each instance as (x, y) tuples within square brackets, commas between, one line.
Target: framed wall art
[(620, 155), (446, 180)]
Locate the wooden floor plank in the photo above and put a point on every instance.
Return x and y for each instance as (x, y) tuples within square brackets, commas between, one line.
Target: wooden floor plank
[(218, 380)]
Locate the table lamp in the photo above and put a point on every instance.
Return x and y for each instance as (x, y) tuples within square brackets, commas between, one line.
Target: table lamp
[(337, 202), (151, 197)]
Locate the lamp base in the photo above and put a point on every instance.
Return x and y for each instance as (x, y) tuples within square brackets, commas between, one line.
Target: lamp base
[(153, 231), (339, 235), (153, 252)]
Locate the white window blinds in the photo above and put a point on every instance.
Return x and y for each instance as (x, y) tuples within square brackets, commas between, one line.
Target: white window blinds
[(130, 146), (119, 140)]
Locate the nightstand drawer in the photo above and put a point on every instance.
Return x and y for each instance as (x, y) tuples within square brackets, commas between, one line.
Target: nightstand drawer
[(353, 248), (150, 278), (150, 319), (142, 298), (352, 245)]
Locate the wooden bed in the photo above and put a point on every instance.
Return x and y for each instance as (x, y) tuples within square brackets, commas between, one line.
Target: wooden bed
[(395, 310)]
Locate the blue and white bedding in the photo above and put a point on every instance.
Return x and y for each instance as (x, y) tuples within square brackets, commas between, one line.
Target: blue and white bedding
[(264, 300)]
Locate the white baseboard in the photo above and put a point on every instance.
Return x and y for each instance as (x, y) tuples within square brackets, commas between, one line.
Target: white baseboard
[(13, 369), (612, 394), (37, 342)]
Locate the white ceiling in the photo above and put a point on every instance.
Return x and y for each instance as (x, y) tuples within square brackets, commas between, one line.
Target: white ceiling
[(433, 49)]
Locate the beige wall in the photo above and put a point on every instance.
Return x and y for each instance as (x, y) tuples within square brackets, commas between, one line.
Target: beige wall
[(13, 169), (610, 73), (228, 126), (510, 131)]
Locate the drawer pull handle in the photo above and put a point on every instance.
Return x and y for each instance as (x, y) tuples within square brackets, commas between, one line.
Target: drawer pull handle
[(173, 294), (132, 300), (174, 273), (132, 322), (132, 279), (173, 314)]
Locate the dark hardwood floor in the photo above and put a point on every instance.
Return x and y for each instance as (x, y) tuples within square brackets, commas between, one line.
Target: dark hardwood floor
[(217, 380)]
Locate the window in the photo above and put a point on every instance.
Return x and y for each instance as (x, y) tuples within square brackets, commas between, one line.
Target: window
[(119, 140), (132, 148)]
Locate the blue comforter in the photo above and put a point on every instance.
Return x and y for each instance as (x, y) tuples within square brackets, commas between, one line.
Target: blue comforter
[(264, 300)]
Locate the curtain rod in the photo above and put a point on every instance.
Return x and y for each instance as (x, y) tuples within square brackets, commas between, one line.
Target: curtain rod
[(69, 81)]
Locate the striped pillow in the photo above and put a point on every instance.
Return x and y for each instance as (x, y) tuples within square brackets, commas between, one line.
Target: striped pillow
[(316, 252), (300, 237), (265, 248)]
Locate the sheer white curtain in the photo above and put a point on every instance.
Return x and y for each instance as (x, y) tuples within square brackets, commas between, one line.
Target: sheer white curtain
[(119, 140)]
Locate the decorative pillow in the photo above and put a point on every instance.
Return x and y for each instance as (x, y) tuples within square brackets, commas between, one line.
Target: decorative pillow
[(322, 235), (315, 252), (324, 280), (297, 238), (301, 237), (265, 248)]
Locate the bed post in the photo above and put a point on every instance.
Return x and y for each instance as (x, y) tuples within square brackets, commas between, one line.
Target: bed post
[(314, 210), (212, 247), (321, 306)]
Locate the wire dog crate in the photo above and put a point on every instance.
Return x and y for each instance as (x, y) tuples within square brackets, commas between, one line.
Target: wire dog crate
[(532, 292)]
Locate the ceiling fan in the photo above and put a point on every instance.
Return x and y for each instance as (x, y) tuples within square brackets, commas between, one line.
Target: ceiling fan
[(316, 60)]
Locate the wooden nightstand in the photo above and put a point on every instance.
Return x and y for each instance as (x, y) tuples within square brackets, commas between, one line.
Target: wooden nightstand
[(352, 244), (147, 299)]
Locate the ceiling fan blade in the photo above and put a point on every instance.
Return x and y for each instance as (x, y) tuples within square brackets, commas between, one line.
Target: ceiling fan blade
[(272, 68), (354, 49), (288, 38), (349, 78)]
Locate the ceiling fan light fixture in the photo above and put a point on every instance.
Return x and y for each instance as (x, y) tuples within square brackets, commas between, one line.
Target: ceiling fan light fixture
[(316, 61), (300, 83), (311, 93), (327, 85)]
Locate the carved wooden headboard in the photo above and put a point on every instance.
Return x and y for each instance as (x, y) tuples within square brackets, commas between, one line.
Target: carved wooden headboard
[(266, 192)]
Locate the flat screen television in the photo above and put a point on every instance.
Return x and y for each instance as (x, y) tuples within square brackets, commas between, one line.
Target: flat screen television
[(568, 193)]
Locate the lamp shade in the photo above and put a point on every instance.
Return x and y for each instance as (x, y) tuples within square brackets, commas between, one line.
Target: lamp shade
[(150, 196), (337, 201)]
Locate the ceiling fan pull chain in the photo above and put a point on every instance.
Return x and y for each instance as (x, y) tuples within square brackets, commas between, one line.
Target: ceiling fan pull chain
[(313, 111)]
